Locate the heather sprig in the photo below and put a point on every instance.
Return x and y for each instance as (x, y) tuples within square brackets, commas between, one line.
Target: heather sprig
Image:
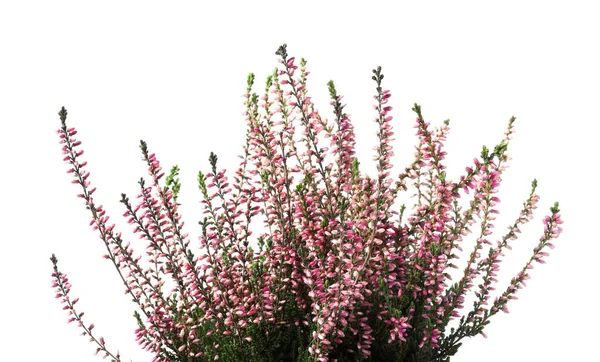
[(338, 274), (63, 288)]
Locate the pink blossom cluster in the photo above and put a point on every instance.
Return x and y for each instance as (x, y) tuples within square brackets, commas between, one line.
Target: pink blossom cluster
[(338, 275)]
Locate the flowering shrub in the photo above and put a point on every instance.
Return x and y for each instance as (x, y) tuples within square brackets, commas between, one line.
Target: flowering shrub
[(338, 275)]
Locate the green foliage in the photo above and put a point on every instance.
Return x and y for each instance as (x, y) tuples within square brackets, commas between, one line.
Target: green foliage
[(172, 182)]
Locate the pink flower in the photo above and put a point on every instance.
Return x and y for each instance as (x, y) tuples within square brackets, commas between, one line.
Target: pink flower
[(336, 253)]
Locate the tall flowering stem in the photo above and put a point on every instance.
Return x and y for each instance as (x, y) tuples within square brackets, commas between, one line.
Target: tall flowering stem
[(337, 274)]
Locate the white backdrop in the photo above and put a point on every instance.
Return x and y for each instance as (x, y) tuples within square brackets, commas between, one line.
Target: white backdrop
[(173, 75)]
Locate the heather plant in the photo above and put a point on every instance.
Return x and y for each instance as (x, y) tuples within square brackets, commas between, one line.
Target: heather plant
[(339, 273)]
